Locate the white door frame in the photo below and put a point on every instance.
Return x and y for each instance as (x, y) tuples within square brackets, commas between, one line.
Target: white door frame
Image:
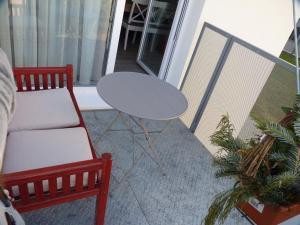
[(115, 36), (172, 39), (90, 93)]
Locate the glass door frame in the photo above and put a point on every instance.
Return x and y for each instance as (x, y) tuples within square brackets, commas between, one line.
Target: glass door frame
[(171, 43)]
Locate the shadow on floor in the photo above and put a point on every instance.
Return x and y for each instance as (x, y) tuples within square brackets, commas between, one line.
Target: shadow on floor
[(126, 60)]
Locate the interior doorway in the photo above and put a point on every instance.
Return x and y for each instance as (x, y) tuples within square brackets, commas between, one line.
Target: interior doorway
[(146, 28)]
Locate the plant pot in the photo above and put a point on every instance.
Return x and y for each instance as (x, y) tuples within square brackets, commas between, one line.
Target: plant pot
[(269, 214)]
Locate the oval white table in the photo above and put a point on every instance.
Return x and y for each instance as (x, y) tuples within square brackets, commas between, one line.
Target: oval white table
[(141, 96)]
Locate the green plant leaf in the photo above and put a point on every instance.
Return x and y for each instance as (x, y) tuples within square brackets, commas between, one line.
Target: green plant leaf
[(224, 203), (286, 110), (281, 133)]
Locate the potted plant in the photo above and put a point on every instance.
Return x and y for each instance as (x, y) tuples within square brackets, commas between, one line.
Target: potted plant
[(266, 170)]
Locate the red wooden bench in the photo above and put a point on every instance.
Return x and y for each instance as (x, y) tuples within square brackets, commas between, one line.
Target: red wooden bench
[(97, 170)]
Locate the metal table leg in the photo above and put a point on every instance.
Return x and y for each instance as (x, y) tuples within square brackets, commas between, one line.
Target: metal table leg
[(151, 152), (151, 147), (107, 128), (134, 161)]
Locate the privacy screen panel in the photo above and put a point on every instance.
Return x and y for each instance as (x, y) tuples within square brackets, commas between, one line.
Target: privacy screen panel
[(280, 90), (241, 80), (201, 69)]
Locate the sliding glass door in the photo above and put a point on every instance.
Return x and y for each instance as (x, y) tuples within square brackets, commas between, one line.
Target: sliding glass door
[(56, 33), (161, 14)]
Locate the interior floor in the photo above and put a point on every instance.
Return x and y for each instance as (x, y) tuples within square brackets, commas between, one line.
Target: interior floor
[(126, 60)]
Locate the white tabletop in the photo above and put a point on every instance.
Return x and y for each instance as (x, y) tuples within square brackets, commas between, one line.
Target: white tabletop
[(142, 96)]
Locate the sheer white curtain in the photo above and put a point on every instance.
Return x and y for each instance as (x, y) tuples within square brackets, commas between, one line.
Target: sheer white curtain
[(55, 33)]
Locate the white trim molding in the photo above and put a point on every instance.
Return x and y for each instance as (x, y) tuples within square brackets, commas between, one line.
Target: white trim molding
[(115, 36)]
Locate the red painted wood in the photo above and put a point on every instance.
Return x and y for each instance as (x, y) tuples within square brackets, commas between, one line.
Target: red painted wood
[(91, 179), (69, 72), (55, 201), (38, 190), (95, 166), (44, 173), (66, 184), (24, 194), (45, 80), (28, 81), (79, 182), (37, 81), (53, 186), (61, 80), (19, 82), (271, 214), (46, 72), (104, 189), (53, 80)]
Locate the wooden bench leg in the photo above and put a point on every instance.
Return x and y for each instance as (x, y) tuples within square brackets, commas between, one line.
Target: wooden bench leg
[(104, 189)]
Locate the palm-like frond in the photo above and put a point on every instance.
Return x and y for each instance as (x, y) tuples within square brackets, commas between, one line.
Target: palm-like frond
[(281, 189), (224, 138), (278, 157), (224, 203), (227, 165), (226, 172), (281, 133), (277, 180), (259, 123), (293, 161)]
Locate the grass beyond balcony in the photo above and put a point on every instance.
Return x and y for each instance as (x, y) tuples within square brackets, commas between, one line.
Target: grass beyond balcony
[(278, 91), (289, 58)]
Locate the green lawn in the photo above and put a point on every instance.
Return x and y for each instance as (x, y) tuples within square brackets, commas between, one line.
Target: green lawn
[(279, 90), (289, 58)]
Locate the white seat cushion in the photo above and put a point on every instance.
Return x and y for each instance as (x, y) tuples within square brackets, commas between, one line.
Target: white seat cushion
[(35, 149), (45, 109)]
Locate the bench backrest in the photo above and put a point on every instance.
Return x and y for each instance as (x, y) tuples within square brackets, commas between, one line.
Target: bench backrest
[(42, 78)]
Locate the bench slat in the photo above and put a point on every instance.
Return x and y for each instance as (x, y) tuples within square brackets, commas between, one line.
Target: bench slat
[(37, 81), (38, 188), (92, 179), (53, 186), (66, 184), (28, 81), (24, 194), (53, 80), (45, 81), (19, 82), (79, 182), (61, 80)]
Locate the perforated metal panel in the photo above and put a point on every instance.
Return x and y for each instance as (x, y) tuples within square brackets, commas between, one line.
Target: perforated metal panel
[(240, 82), (203, 64), (278, 91)]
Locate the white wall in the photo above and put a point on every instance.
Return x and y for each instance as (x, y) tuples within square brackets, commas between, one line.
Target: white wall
[(266, 24)]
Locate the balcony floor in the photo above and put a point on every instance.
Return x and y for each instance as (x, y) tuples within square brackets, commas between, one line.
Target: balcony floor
[(147, 198)]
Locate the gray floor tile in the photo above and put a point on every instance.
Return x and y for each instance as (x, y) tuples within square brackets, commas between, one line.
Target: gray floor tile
[(147, 197)]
